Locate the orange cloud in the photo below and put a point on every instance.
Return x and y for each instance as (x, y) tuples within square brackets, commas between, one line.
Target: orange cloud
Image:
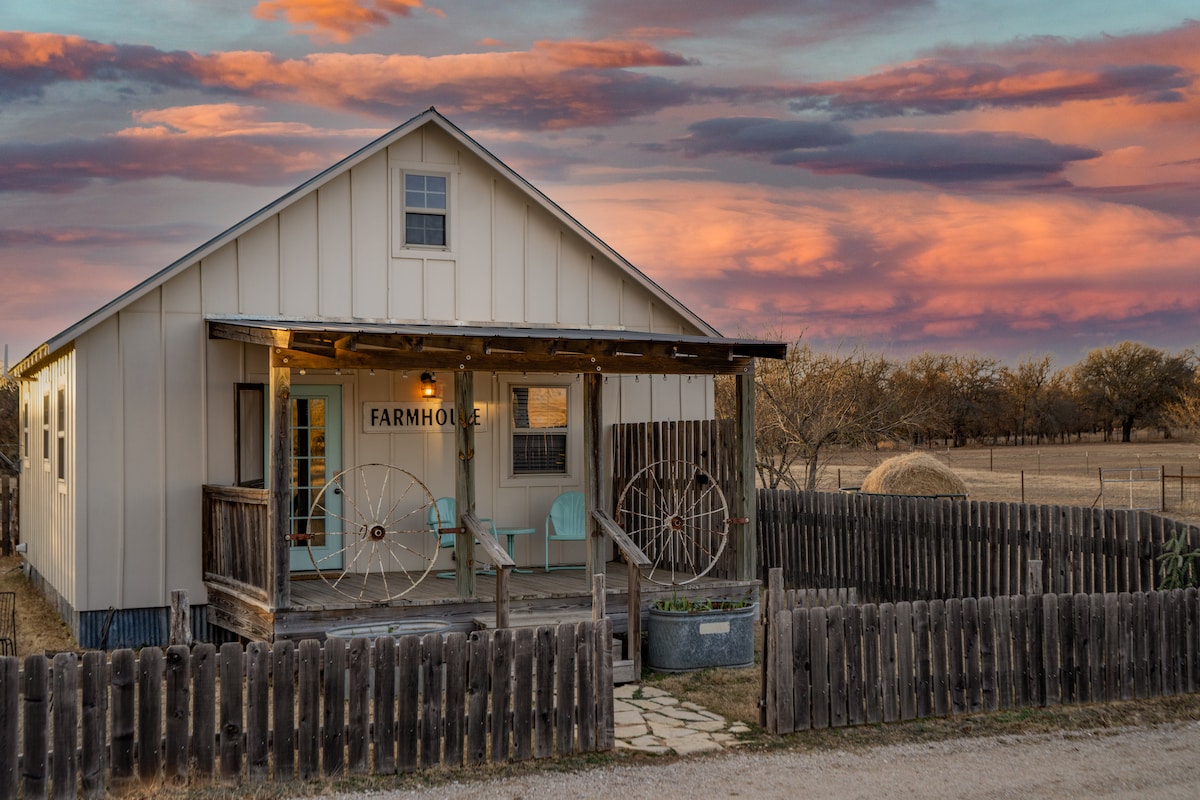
[(844, 263), (554, 84), (336, 20), (223, 120)]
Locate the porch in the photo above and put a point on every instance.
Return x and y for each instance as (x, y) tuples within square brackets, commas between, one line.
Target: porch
[(534, 598), (687, 526)]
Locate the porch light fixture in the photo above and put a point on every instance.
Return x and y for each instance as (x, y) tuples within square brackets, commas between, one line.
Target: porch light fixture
[(429, 387)]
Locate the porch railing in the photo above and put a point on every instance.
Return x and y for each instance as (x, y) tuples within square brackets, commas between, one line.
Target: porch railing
[(236, 547)]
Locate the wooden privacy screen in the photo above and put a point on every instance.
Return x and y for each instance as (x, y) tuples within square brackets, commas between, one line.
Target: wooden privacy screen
[(287, 711)]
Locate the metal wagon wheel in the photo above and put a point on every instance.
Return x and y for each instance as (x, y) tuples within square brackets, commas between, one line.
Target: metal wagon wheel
[(678, 514), (388, 545)]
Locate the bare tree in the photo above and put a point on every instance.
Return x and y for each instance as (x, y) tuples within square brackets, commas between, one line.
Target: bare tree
[(811, 401), (8, 424), (1024, 393)]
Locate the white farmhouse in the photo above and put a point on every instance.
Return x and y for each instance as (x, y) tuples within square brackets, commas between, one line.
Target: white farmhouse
[(268, 422)]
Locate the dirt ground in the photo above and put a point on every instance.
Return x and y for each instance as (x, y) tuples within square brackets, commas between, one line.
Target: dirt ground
[(1159, 762)]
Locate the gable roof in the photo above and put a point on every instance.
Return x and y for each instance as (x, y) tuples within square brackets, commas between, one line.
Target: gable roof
[(430, 116)]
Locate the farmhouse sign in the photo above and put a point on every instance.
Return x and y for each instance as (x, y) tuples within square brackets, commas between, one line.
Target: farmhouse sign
[(423, 417)]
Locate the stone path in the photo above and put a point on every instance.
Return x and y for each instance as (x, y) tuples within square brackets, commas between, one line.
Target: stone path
[(649, 720)]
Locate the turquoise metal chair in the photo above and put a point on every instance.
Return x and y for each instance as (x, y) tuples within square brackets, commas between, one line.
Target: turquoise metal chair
[(446, 509), (565, 523)]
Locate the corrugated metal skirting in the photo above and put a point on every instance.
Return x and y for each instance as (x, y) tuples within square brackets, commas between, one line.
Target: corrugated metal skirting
[(140, 627)]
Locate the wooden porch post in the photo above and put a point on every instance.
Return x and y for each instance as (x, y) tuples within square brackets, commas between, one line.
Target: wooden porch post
[(745, 500), (593, 462), (279, 512), (464, 480)]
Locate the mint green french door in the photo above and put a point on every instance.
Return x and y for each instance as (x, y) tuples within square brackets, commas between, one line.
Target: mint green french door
[(316, 417)]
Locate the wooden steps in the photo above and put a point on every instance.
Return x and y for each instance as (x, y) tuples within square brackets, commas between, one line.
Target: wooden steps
[(623, 670)]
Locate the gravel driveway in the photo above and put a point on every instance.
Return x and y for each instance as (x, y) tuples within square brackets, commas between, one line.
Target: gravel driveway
[(1157, 762)]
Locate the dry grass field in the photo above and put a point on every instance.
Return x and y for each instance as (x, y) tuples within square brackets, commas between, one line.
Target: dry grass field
[(1055, 474), (39, 627)]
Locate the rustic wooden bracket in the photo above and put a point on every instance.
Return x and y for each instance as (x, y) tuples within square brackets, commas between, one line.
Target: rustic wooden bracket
[(738, 520)]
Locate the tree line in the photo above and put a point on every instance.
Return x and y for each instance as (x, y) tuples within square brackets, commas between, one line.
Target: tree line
[(813, 401)]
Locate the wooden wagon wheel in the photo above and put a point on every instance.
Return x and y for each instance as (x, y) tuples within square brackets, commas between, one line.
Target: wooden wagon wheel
[(678, 515), (388, 545)]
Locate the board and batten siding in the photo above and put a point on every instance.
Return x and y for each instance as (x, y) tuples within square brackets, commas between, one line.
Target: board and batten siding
[(48, 506), (157, 395)]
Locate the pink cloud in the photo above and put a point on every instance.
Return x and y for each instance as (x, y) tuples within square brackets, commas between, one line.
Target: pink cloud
[(1157, 68), (336, 20), (553, 84), (873, 264), (223, 142)]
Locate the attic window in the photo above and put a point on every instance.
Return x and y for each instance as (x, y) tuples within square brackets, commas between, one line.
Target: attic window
[(425, 210)]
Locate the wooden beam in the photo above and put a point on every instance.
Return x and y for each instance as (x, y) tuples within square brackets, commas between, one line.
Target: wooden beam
[(593, 471), (517, 362), (279, 512), (603, 348), (464, 481), (251, 335), (745, 499), (490, 544), (629, 549)]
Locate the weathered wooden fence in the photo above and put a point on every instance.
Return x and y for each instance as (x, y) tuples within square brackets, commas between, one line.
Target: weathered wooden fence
[(637, 446), (893, 549), (285, 711), (855, 665)]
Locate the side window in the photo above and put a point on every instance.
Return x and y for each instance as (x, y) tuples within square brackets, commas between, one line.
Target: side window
[(61, 433), (25, 432), (540, 428), (425, 210), (46, 429), (251, 435)]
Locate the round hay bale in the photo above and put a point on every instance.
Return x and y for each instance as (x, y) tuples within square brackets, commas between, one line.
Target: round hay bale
[(917, 474)]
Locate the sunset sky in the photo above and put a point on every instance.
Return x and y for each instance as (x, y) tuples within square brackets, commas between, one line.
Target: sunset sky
[(1001, 177)]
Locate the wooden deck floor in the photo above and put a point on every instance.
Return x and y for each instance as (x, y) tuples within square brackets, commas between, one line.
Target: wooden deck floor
[(562, 594)]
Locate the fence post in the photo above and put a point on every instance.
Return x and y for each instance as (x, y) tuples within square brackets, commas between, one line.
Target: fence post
[(773, 605), (181, 618)]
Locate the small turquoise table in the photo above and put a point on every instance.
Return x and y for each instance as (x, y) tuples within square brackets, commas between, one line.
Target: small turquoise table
[(510, 535)]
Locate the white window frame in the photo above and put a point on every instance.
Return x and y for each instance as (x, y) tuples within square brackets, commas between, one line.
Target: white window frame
[(46, 438), (60, 433), (25, 429), (574, 431), (400, 208)]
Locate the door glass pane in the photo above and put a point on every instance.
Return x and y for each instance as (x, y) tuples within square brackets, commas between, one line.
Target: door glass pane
[(308, 467)]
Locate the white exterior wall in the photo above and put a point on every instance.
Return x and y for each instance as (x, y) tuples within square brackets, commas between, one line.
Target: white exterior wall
[(48, 505), (158, 395)]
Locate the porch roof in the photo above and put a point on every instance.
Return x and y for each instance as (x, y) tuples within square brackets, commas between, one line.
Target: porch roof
[(360, 344)]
